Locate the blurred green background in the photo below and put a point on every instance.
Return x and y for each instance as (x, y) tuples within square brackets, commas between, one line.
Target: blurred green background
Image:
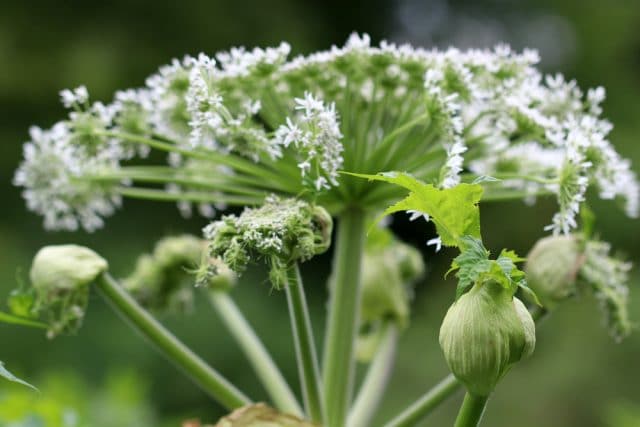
[(577, 376)]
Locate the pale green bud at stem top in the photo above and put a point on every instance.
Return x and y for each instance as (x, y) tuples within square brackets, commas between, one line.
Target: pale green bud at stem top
[(552, 267), (483, 334), (559, 267), (65, 268), (60, 276)]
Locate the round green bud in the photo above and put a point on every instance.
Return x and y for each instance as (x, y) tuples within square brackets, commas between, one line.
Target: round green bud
[(552, 267), (483, 334), (64, 268)]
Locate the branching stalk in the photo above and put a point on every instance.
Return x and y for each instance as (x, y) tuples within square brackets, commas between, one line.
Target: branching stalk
[(255, 351), (173, 349)]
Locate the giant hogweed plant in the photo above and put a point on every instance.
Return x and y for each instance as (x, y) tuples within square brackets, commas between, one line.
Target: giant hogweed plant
[(297, 142)]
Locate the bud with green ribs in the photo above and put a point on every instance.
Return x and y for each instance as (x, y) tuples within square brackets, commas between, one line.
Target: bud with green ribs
[(487, 329)]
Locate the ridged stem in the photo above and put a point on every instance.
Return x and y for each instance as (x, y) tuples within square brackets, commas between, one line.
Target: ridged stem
[(342, 322)]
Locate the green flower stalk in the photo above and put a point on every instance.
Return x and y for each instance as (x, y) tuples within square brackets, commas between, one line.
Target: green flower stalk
[(61, 277), (284, 232)]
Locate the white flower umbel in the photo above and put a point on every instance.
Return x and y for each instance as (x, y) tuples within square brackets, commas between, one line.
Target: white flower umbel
[(442, 116)]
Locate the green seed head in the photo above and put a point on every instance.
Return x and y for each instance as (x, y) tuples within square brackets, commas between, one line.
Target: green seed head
[(552, 268), (483, 334)]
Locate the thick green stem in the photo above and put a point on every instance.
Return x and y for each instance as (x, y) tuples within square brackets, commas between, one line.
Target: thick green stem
[(338, 362), (442, 391), (373, 386), (264, 366), (471, 411), (423, 406), (304, 344), (173, 349)]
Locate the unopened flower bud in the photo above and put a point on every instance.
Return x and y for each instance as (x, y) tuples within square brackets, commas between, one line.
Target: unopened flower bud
[(60, 276), (64, 268), (560, 266), (483, 334), (552, 267)]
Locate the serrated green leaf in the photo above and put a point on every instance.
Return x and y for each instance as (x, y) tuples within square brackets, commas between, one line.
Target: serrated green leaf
[(454, 211), (511, 254), (4, 373), (474, 266), (15, 320)]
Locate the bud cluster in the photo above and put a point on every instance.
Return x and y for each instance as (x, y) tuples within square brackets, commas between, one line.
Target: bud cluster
[(280, 231)]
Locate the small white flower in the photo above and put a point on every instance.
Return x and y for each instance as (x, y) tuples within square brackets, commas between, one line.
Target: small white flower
[(75, 97)]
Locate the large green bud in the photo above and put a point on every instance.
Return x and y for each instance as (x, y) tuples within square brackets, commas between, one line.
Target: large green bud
[(483, 334), (552, 267)]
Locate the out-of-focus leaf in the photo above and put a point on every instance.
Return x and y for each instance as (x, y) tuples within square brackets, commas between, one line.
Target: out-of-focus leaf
[(4, 373)]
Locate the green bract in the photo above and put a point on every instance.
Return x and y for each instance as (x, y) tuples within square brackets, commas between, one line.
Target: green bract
[(483, 334)]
